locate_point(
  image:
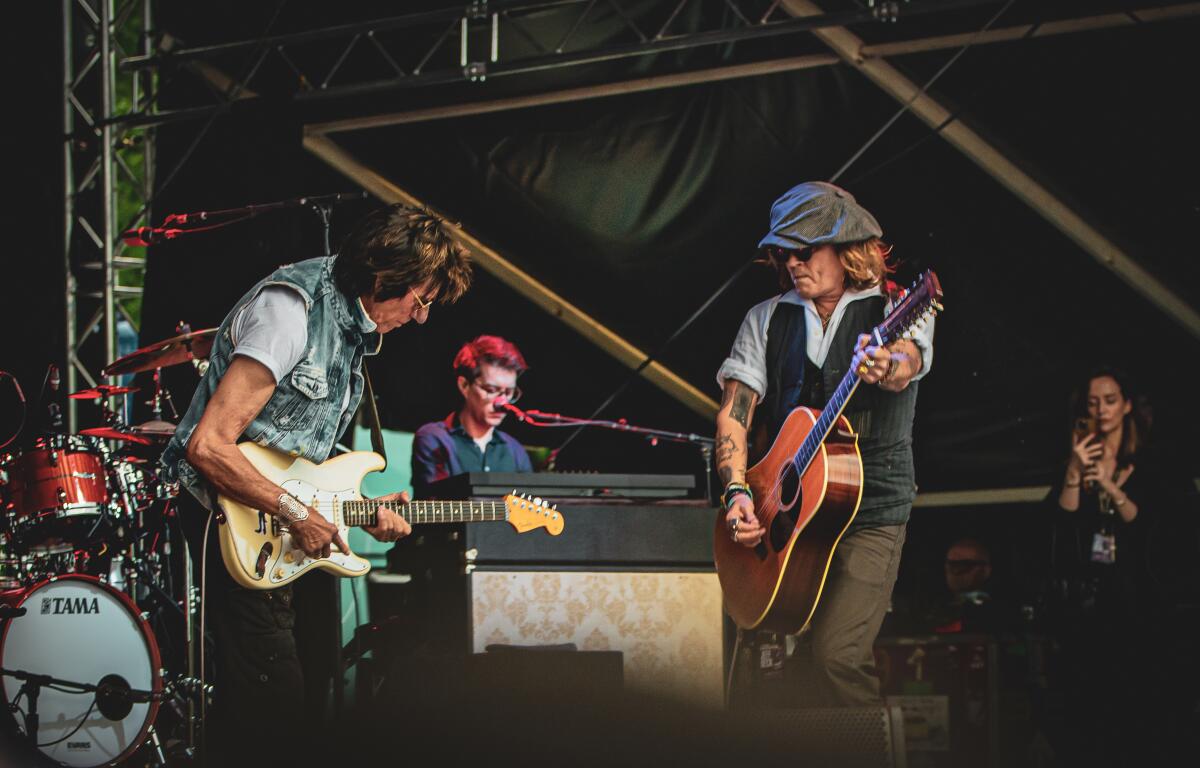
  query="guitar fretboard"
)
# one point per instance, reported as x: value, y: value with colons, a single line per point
x: 829, y: 414
x: 366, y: 511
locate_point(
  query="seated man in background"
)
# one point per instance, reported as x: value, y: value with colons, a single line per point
x: 468, y: 440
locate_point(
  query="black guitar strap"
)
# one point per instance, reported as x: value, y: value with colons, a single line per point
x: 373, y: 415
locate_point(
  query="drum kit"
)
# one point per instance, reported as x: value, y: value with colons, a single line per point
x: 90, y: 559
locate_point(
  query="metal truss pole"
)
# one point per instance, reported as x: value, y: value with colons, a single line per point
x: 69, y: 333
x: 107, y: 182
x: 99, y: 170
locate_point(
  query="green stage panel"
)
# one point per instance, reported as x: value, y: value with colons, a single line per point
x: 396, y: 477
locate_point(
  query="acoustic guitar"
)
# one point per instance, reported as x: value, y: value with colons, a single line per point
x: 259, y: 553
x: 807, y: 489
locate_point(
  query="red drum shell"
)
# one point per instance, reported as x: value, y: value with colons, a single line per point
x: 59, y: 477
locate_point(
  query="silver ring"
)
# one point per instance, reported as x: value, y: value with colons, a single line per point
x: 733, y: 524
x: 869, y: 362
x: 733, y: 534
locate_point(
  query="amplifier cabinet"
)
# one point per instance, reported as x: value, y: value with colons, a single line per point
x: 667, y: 625
x: 661, y: 535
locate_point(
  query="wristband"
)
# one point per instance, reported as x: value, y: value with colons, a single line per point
x: 732, y: 490
x: 291, y: 509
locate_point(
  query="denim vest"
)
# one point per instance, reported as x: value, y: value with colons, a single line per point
x: 883, y: 420
x: 304, y: 416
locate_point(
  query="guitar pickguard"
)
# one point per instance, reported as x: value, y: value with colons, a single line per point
x: 290, y: 560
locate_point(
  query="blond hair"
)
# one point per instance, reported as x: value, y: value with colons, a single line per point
x: 865, y: 262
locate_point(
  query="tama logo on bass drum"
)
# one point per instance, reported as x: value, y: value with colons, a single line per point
x: 72, y: 605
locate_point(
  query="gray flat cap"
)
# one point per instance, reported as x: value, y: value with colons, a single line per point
x: 817, y: 212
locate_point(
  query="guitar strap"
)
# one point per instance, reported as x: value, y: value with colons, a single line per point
x: 373, y: 415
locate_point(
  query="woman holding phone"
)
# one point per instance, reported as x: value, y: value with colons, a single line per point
x: 1107, y: 499
x: 1106, y: 487
x: 1104, y: 444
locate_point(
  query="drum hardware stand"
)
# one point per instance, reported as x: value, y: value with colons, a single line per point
x: 156, y: 745
x: 31, y: 688
x: 181, y: 695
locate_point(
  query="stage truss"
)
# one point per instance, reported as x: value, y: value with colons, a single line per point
x: 108, y: 122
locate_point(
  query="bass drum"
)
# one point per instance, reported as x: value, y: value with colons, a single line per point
x: 80, y: 630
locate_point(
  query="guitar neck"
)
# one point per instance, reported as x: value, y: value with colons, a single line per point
x: 833, y: 409
x: 365, y: 512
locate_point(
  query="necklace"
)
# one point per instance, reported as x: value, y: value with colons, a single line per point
x: 825, y: 320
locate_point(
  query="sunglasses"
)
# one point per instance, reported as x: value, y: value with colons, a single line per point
x: 780, y: 255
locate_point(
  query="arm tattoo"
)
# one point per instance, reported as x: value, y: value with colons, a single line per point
x: 727, y: 393
x: 743, y: 401
x: 726, y: 475
x: 726, y: 448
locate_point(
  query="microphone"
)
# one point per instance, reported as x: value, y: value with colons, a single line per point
x: 144, y: 236
x: 9, y: 612
x: 514, y: 410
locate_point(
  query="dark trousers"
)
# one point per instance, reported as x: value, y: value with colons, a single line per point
x: 261, y: 711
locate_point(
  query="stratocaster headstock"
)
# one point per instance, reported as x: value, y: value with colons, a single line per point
x: 525, y: 514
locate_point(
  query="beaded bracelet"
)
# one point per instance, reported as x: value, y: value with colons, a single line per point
x: 732, y: 490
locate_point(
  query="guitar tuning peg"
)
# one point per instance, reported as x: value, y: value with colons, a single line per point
x: 537, y: 500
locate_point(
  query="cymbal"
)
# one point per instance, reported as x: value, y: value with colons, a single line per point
x: 154, y: 428
x: 114, y: 433
x: 100, y: 390
x: 177, y: 349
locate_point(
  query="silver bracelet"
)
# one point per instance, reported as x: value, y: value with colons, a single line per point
x: 291, y: 509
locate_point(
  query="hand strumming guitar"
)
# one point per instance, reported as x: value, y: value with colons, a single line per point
x: 744, y: 527
x: 315, y: 535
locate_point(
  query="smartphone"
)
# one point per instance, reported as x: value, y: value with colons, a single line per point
x: 1084, y: 425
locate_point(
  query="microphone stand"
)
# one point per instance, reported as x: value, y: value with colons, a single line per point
x: 703, y: 443
x: 177, y: 224
x: 34, y: 683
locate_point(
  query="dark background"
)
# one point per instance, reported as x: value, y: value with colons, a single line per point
x: 637, y: 208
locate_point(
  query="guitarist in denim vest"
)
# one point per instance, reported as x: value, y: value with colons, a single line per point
x: 285, y: 371
x: 792, y: 350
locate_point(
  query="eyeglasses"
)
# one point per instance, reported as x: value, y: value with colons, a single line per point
x: 781, y: 255
x: 421, y: 303
x: 511, y: 394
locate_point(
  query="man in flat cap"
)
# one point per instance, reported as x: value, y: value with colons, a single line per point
x: 793, y: 350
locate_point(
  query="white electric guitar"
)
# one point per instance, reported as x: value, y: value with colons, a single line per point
x: 260, y: 554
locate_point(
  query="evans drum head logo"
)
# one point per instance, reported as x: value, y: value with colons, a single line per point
x: 59, y: 605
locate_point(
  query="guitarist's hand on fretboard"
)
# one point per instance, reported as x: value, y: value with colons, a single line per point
x: 742, y: 523
x: 391, y: 526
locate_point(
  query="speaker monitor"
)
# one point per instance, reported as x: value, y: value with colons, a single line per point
x: 667, y: 625
x: 851, y: 737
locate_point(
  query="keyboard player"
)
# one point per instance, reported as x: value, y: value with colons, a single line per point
x: 486, y: 370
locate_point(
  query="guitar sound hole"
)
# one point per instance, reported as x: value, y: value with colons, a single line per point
x: 785, y: 519
x: 789, y: 487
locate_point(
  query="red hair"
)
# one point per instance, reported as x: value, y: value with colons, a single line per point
x: 491, y: 350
